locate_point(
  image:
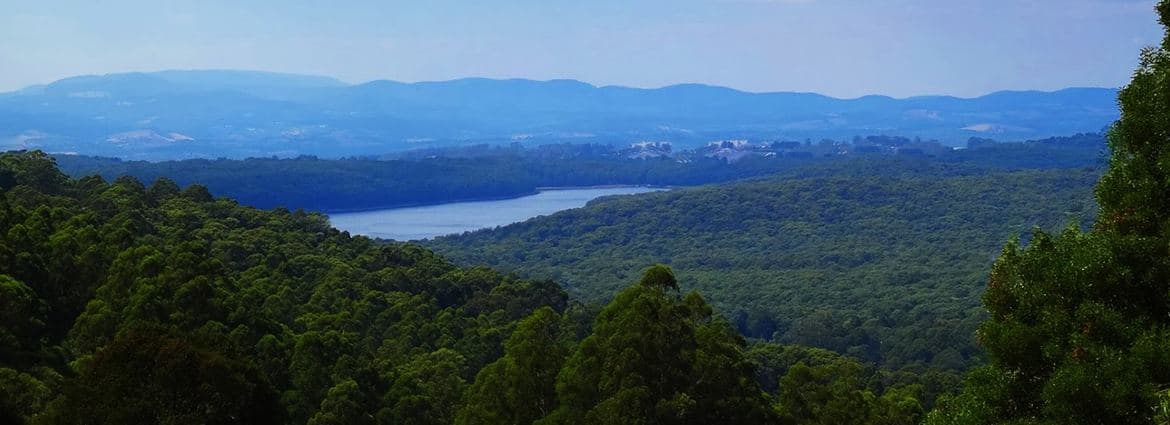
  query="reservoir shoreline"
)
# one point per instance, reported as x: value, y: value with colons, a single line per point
x: 429, y: 221
x: 535, y: 191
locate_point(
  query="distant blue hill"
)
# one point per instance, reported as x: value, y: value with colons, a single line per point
x: 223, y: 113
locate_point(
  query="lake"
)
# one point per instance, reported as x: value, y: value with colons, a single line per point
x: 415, y: 223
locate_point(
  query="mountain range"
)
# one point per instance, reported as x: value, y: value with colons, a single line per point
x: 193, y: 114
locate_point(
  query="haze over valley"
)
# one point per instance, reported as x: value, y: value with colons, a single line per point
x: 539, y: 212
x: 238, y: 114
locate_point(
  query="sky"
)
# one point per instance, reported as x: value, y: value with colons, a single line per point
x: 842, y: 48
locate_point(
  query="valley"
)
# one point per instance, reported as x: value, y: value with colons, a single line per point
x: 870, y: 253
x: 695, y: 212
x: 884, y: 261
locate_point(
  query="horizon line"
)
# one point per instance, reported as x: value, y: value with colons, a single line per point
x: 346, y: 83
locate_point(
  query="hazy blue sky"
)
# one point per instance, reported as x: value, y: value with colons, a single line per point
x: 838, y: 47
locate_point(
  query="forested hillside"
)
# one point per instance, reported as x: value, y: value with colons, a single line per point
x: 881, y: 260
x: 482, y: 172
x: 123, y: 303
x: 886, y: 280
x: 354, y: 184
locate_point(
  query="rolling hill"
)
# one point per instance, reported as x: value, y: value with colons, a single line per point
x: 884, y: 261
x: 211, y: 114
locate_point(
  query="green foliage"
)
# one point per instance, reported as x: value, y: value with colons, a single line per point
x: 343, y: 405
x: 520, y: 387
x: 1162, y: 411
x: 479, y: 172
x: 25, y: 394
x: 828, y: 394
x: 813, y: 385
x: 660, y: 277
x: 883, y: 260
x: 1079, y: 327
x: 772, y: 361
x: 656, y: 358
x: 33, y: 169
x: 148, y: 377
x: 835, y: 393
x: 249, y: 316
x: 122, y: 303
x: 427, y: 389
x: 351, y: 184
x: 22, y: 322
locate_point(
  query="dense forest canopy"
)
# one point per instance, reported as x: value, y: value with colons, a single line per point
x: 1079, y: 326
x: 885, y: 261
x: 279, y: 318
x: 122, y: 302
x: 484, y: 172
x: 127, y: 303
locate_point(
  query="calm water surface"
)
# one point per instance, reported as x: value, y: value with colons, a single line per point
x: 437, y: 220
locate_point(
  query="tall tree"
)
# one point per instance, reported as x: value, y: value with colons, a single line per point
x: 1079, y: 327
x: 145, y: 376
x: 657, y: 358
x: 520, y: 387
x: 22, y: 320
